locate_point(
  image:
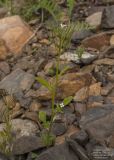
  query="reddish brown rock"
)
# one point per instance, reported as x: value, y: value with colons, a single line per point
x: 15, y: 34
x: 72, y: 82
x: 97, y: 41
x: 68, y: 85
x: 95, y: 89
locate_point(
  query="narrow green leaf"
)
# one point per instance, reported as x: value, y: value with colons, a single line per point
x: 67, y: 100
x: 44, y: 82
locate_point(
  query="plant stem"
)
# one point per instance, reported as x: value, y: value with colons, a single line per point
x: 42, y: 15
x: 54, y: 92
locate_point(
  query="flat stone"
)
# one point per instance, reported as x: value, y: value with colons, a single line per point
x: 105, y: 61
x: 17, y: 81
x: 94, y: 19
x: 27, y: 144
x: 87, y: 68
x: 15, y: 34
x: 99, y: 122
x: 97, y: 41
x: 31, y: 115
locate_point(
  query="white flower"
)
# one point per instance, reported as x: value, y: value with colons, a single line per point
x: 62, y: 105
x: 63, y: 25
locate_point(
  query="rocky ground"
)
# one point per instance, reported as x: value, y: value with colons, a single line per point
x: 86, y: 129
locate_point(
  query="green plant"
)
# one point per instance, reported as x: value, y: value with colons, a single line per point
x: 6, y: 137
x: 62, y: 41
x: 44, y: 5
x: 80, y: 51
x: 47, y: 137
x: 51, y: 7
x: 70, y: 5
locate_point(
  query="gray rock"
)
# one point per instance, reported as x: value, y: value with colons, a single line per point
x: 94, y: 19
x: 17, y: 81
x: 24, y: 102
x: 86, y: 58
x: 59, y: 152
x: 59, y: 129
x: 79, y: 36
x: 80, y: 108
x: 80, y: 151
x: 27, y: 144
x: 108, y: 18
x: 70, y: 118
x: 81, y: 137
x: 95, y: 99
x: 99, y: 122
x: 23, y: 127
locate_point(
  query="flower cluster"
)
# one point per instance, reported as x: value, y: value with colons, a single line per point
x: 62, y: 105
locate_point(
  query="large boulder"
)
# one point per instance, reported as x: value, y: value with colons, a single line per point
x: 14, y: 34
